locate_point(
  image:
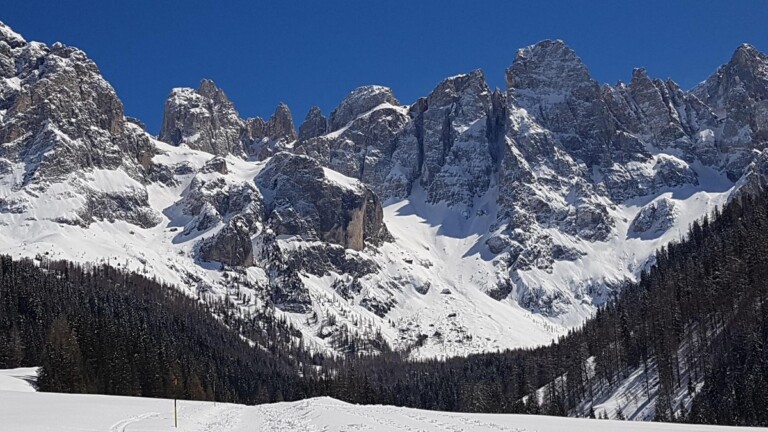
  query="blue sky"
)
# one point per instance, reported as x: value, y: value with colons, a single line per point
x: 309, y: 52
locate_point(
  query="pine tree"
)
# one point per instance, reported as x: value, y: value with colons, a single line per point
x: 61, y: 370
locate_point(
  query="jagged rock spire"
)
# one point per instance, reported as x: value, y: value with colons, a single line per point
x: 204, y: 119
x: 314, y: 125
x: 280, y: 125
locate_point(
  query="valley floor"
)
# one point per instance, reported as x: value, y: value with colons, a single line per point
x: 24, y: 410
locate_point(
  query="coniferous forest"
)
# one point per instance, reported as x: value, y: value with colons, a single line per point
x: 700, y: 314
x: 99, y: 330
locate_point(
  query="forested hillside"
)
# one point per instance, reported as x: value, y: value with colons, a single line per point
x: 99, y: 330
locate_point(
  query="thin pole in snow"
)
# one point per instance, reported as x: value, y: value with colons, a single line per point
x: 175, y: 416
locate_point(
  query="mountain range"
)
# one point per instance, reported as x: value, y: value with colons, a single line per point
x: 469, y: 220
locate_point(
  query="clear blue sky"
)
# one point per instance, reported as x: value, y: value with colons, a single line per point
x: 314, y: 52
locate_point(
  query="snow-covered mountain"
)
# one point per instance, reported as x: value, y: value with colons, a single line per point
x: 471, y: 220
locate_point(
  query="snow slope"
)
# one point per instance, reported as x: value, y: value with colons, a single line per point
x: 18, y: 380
x: 24, y: 411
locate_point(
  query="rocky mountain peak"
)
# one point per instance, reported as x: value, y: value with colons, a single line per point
x: 738, y: 94
x: 203, y: 119
x: 550, y: 82
x: 547, y: 67
x: 314, y: 125
x: 746, y: 55
x: 639, y: 76
x: 61, y: 124
x: 456, y: 88
x: 208, y: 89
x: 280, y: 125
x: 263, y: 139
x: 10, y: 37
x: 453, y: 133
x: 748, y: 67
x: 359, y: 101
x: 746, y: 72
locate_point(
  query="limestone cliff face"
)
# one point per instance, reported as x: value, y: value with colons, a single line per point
x: 457, y: 140
x: 231, y: 246
x: 738, y: 94
x: 59, y: 114
x: 314, y: 125
x: 62, y: 123
x: 364, y: 132
x: 204, y: 119
x: 303, y: 200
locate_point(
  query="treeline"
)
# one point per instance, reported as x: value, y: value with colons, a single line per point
x: 100, y: 330
x: 698, y: 315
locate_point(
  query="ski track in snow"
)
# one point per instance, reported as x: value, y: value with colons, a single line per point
x: 123, y: 424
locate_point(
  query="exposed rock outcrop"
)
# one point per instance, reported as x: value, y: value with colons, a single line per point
x: 738, y: 94
x: 60, y: 121
x: 304, y: 199
x: 314, y: 125
x: 358, y: 102
x: 267, y: 138
x: 205, y: 119
x: 231, y: 246
x: 654, y: 218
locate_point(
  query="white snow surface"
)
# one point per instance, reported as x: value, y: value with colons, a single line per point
x: 18, y: 379
x: 23, y: 410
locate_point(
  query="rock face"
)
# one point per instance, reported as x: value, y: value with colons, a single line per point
x: 277, y: 134
x: 60, y: 122
x: 551, y: 83
x: 306, y: 202
x: 363, y: 137
x: 655, y: 218
x: 205, y: 119
x: 358, y: 102
x: 314, y: 125
x: 59, y: 112
x: 445, y: 142
x: 737, y: 94
x: 231, y: 246
x: 288, y: 217
x: 755, y: 179
x: 457, y: 140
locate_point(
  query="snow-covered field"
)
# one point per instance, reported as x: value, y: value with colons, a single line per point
x: 24, y: 410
